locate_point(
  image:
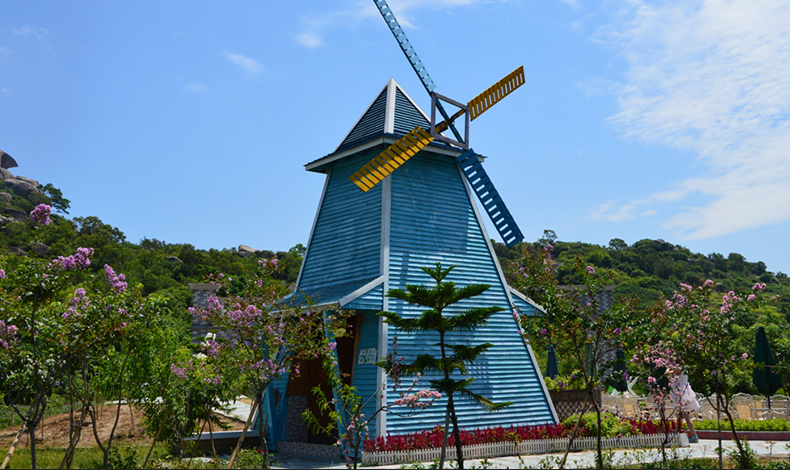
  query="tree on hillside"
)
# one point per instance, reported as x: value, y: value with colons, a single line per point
x: 454, y: 357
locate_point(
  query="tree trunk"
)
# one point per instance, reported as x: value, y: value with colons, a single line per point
x: 585, y: 407
x: 446, y: 434
x: 599, y: 455
x: 235, y: 453
x: 156, y: 438
x: 459, y: 455
x: 13, y: 446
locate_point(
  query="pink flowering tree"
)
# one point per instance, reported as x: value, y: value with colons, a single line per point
x: 267, y: 336
x: 700, y: 328
x: 658, y: 366
x: 57, y: 316
x: 348, y: 407
x: 585, y: 336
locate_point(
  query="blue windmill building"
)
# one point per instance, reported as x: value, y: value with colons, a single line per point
x: 399, y: 195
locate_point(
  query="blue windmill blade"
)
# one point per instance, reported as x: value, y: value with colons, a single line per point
x: 489, y: 198
x: 414, y: 59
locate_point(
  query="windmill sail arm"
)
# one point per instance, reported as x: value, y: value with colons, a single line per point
x: 489, y: 198
x: 411, y: 55
x: 405, y: 44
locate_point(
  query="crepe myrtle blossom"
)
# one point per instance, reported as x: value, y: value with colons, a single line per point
x: 180, y: 372
x: 117, y: 281
x: 590, y: 270
x: 7, y: 334
x: 41, y: 214
x: 78, y: 303
x: 2, y: 273
x: 79, y: 260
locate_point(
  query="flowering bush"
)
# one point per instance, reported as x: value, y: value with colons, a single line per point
x: 65, y: 329
x: 268, y: 335
x: 432, y: 438
x: 585, y: 335
x: 695, y: 332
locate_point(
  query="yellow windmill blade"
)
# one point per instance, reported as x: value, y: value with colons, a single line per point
x: 495, y: 93
x: 387, y: 161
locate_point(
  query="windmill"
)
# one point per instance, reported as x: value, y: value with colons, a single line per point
x: 410, y: 205
x: 407, y: 146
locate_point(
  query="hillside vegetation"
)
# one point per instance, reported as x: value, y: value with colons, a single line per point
x: 649, y: 269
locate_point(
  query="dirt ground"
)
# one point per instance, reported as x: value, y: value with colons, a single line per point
x: 54, y: 431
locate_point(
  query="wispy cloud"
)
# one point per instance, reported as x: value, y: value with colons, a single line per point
x: 711, y: 77
x: 309, y: 40
x: 571, y: 3
x: 35, y: 32
x: 252, y: 66
x: 317, y: 23
x: 195, y: 88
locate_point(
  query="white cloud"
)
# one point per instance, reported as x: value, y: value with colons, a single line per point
x: 310, y: 40
x: 571, y: 3
x: 252, y: 66
x: 364, y: 10
x: 711, y: 77
x: 36, y: 32
x: 195, y: 88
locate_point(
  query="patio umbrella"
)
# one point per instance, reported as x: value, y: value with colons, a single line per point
x: 617, y: 379
x: 763, y: 376
x: 552, y: 370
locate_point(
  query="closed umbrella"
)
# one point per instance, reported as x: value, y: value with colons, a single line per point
x: 763, y: 376
x: 617, y: 380
x: 552, y: 371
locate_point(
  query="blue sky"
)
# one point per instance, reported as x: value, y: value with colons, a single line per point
x: 190, y: 121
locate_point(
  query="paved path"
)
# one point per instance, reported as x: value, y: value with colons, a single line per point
x: 586, y: 459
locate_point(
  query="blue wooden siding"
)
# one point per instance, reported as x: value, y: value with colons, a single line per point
x: 273, y: 408
x: 432, y: 220
x: 365, y: 374
x: 524, y: 307
x: 370, y: 300
x: 346, y: 243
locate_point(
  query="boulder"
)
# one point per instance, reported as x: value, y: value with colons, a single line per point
x: 6, y: 197
x: 23, y: 187
x: 40, y: 249
x: 5, y: 174
x: 246, y: 252
x: 6, y: 160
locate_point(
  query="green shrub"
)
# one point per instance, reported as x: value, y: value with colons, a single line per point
x: 611, y: 425
x: 745, y: 425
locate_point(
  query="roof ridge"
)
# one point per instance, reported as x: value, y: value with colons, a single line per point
x: 387, y: 114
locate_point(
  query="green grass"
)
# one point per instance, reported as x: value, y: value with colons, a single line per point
x: 88, y: 457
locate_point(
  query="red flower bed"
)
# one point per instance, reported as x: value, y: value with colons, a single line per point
x: 433, y: 438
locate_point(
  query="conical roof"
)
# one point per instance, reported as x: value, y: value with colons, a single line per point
x: 391, y: 114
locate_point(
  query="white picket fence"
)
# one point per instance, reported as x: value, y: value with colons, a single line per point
x: 502, y: 449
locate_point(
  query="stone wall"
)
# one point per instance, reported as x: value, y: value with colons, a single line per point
x: 200, y: 294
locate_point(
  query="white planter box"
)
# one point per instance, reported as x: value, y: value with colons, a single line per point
x: 502, y: 449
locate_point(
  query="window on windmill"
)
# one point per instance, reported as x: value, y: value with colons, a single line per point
x: 367, y: 356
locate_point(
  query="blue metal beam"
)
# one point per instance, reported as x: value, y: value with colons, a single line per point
x: 489, y: 198
x: 411, y: 55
